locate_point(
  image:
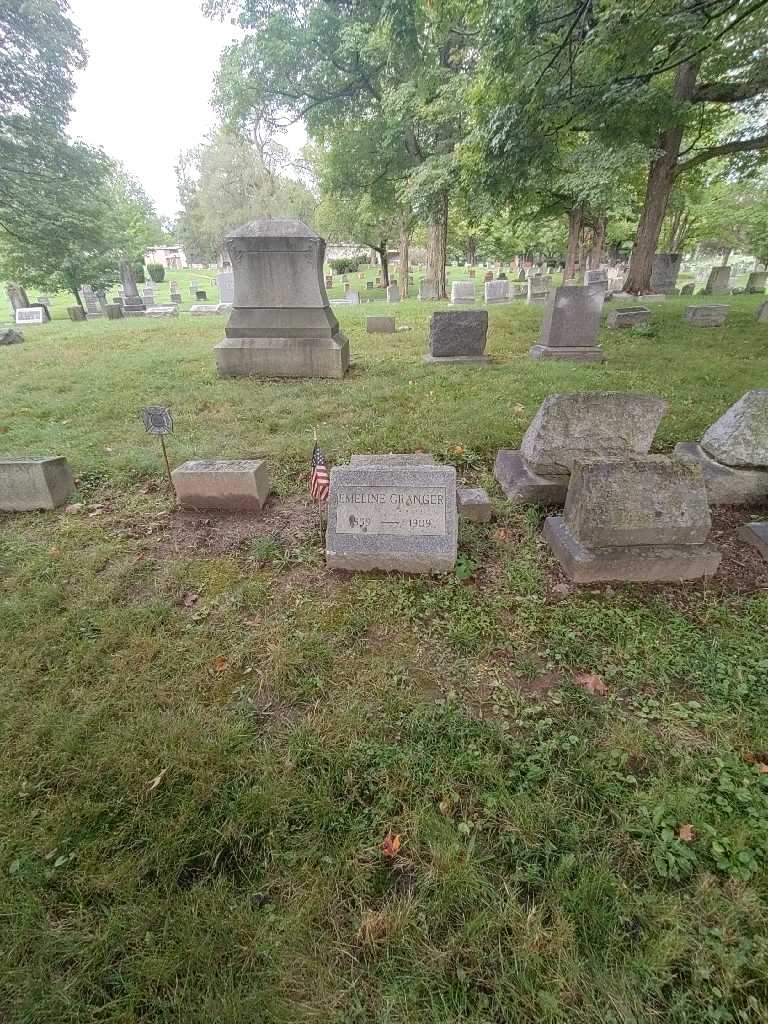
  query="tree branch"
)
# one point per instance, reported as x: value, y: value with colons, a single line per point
x: 732, y: 92
x: 738, y: 146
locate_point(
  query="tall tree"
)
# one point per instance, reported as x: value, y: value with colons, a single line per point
x: 330, y: 63
x: 667, y: 75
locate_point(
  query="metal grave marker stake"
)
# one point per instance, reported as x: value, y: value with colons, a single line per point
x: 159, y: 422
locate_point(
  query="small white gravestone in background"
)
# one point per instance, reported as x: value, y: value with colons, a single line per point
x: 30, y: 315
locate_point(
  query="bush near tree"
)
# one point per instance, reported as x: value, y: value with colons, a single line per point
x: 157, y: 272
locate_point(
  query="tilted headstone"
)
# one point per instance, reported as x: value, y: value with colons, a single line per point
x: 380, y: 324
x: 762, y: 313
x: 462, y: 292
x: 427, y: 290
x: 664, y: 270
x: 756, y: 534
x: 34, y: 483
x: 393, y: 293
x: 76, y: 314
x: 733, y: 452
x: 496, y: 291
x: 17, y: 296
x: 133, y: 305
x: 222, y: 484
x: 756, y: 282
x: 628, y: 316
x: 718, y: 282
x: 570, y: 325
x: 706, y: 316
x: 281, y: 323
x: 688, y: 289
x: 568, y: 427
x: 457, y: 337
x: 642, y: 518
x: 10, y: 336
x: 397, y: 517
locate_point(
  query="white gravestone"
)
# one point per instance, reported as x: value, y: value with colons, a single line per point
x: 30, y: 315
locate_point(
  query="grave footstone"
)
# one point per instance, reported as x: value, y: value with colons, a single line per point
x: 397, y: 517
x: 718, y: 282
x: 10, y: 336
x: 733, y: 452
x: 642, y: 518
x: 571, y: 426
x: 208, y: 309
x: 628, y: 316
x: 281, y: 323
x: 570, y: 325
x: 27, y: 485
x: 706, y: 316
x: 496, y: 291
x: 162, y: 311
x: 756, y: 282
x: 462, y: 293
x: 474, y: 504
x: 756, y: 534
x: 664, y: 270
x: 222, y: 484
x: 457, y: 337
x: 380, y: 324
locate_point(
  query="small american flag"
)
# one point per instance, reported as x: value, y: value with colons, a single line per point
x: 320, y: 481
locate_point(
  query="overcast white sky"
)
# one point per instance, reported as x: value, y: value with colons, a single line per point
x: 145, y: 94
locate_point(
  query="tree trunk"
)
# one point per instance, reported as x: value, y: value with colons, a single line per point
x: 471, y: 250
x: 661, y: 178
x: 381, y: 252
x: 726, y: 256
x: 437, y: 238
x: 575, y: 218
x: 598, y: 241
x: 405, y: 246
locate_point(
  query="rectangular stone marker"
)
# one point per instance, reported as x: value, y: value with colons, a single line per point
x: 664, y: 271
x: 30, y: 315
x: 427, y: 290
x: 596, y: 277
x: 474, y: 504
x: 539, y: 290
x: 706, y: 316
x: 755, y: 282
x: 719, y: 281
x: 369, y: 286
x: 628, y: 316
x: 226, y: 286
x: 496, y: 291
x: 643, y: 519
x: 762, y: 313
x: 393, y: 459
x: 37, y: 483
x: 458, y: 337
x: 571, y: 322
x: 756, y: 534
x: 380, y: 324
x: 462, y: 292
x: 161, y: 311
x: 209, y: 309
x: 114, y: 311
x: 227, y: 485
x: 400, y: 518
x: 393, y: 293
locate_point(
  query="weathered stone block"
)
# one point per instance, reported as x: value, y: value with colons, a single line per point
x: 718, y: 282
x: 497, y: 291
x: 664, y: 271
x: 393, y: 293
x: 401, y: 518
x: 380, y: 324
x: 643, y: 499
x: 707, y: 316
x: 756, y: 534
x: 427, y: 290
x: 227, y: 485
x: 740, y: 437
x: 35, y: 483
x: 570, y: 325
x: 76, y: 313
x: 756, y: 282
x: 725, y: 484
x: 628, y: 316
x: 458, y: 337
x: 10, y: 336
x: 591, y: 423
x: 474, y: 504
x: 462, y: 292
x: 523, y: 486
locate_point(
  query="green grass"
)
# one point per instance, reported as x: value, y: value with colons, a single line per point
x: 298, y: 717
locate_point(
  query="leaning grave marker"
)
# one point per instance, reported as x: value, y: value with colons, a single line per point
x: 570, y: 325
x: 392, y: 517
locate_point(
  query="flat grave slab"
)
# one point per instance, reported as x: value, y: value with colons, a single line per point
x: 222, y: 484
x: 628, y: 316
x: 706, y: 316
x: 380, y: 324
x: 397, y: 517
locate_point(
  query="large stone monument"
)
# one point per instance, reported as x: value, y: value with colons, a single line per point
x: 133, y: 304
x: 664, y: 271
x: 570, y: 325
x: 281, y: 323
x: 733, y: 453
x: 575, y: 426
x: 641, y: 518
x: 392, y: 515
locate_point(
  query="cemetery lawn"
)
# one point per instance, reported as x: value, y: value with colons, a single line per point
x: 236, y: 787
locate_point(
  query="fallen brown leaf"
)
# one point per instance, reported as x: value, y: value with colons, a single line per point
x: 391, y: 846
x: 220, y: 664
x: 154, y: 783
x: 685, y: 833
